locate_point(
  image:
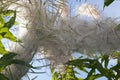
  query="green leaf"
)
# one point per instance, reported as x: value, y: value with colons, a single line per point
x: 107, y: 2
x: 8, y: 56
x: 5, y: 26
x: 7, y: 12
x: 1, y: 37
x: 16, y: 23
x: 92, y: 75
x: 11, y: 22
x: 6, y: 60
x: 55, y: 76
x: 3, y: 77
x: 4, y: 30
x: 91, y: 72
x: 116, y: 54
x: 7, y: 34
x: 2, y: 22
x: 104, y: 71
x: 10, y: 36
x: 52, y: 70
x: 82, y: 62
x: 105, y: 59
x: 94, y: 64
x: 80, y: 79
x: 2, y: 49
x: 70, y: 73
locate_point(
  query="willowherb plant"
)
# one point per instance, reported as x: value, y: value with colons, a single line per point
x: 57, y: 37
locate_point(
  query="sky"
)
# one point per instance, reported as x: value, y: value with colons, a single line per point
x: 112, y: 11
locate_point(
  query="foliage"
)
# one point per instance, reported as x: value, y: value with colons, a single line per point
x: 107, y: 2
x: 7, y: 60
x: 98, y: 68
x: 7, y: 20
x: 5, y: 26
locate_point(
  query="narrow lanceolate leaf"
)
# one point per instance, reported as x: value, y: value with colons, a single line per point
x: 52, y: 70
x: 107, y: 2
x: 6, y: 60
x: 55, y: 76
x: 93, y: 77
x: 105, y: 59
x: 2, y: 22
x: 89, y: 77
x: 1, y: 37
x: 9, y: 56
x: 11, y: 22
x: 2, y: 49
x: 5, y: 33
x: 10, y: 36
x: 3, y: 77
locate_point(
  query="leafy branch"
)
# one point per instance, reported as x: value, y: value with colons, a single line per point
x: 5, y: 26
x: 98, y: 68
